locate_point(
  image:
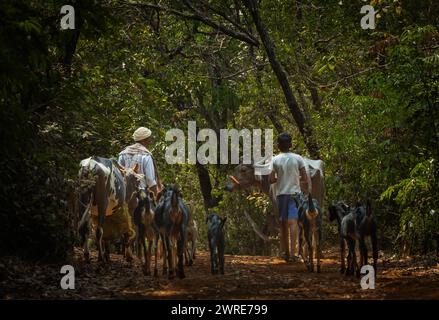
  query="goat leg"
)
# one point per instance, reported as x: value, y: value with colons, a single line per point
x: 342, y: 255
x: 374, y: 252
x: 180, y: 251
x: 99, y: 235
x: 156, y: 249
x: 318, y: 249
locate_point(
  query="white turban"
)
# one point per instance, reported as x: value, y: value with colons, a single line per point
x: 141, y: 133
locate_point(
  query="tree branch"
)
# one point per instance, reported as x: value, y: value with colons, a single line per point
x: 198, y: 16
x: 230, y: 20
x: 256, y: 228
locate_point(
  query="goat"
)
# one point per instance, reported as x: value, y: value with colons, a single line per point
x: 215, y: 235
x: 359, y: 224
x: 192, y: 235
x: 172, y: 219
x: 144, y: 220
x: 349, y: 234
x: 366, y: 227
x: 337, y: 212
x: 310, y: 229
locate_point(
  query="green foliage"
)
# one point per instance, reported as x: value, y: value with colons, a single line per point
x: 419, y: 221
x: 63, y: 100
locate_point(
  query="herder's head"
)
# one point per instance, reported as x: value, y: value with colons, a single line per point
x: 143, y: 136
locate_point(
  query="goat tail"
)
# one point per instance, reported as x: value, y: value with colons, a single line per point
x: 368, y: 208
x: 310, y: 203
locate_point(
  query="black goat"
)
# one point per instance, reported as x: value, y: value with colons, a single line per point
x: 366, y: 227
x: 349, y: 233
x: 359, y: 224
x: 337, y: 212
x: 215, y: 235
x: 171, y: 218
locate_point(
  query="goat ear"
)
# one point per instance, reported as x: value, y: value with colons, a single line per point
x: 136, y: 168
x: 368, y: 207
x: 223, y: 221
x: 331, y: 213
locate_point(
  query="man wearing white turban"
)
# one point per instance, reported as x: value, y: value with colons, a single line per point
x: 138, y: 153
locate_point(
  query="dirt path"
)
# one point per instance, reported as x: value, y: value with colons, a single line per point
x: 247, y: 277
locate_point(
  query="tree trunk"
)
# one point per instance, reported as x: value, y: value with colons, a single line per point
x: 317, y: 102
x: 70, y: 45
x: 305, y: 128
x: 276, y: 123
x: 206, y: 187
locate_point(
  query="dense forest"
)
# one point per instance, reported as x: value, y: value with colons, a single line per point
x: 365, y: 101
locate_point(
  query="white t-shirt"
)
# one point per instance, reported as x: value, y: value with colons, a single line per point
x: 287, y: 167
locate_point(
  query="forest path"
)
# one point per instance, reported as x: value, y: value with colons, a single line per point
x: 246, y: 277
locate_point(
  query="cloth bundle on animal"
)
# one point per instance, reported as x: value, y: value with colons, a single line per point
x: 117, y: 225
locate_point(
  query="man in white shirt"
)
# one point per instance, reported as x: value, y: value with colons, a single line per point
x: 139, y: 154
x: 288, y: 172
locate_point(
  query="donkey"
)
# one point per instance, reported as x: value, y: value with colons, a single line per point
x: 310, y: 229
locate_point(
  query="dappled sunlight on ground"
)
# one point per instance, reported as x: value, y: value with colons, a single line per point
x: 246, y: 277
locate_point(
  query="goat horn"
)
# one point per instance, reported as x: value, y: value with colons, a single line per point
x: 235, y: 181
